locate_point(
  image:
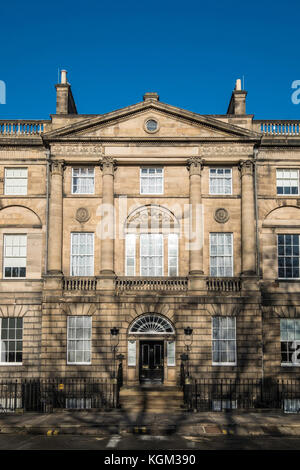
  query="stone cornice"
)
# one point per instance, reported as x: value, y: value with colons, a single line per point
x: 191, y: 117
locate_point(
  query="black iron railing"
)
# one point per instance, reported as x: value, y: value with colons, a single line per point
x: 224, y: 394
x: 47, y: 395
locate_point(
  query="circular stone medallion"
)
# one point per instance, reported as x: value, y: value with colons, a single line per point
x: 221, y: 215
x: 82, y: 214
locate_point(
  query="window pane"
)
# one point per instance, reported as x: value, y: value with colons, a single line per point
x: 224, y: 340
x: 151, y: 180
x: 221, y: 254
x: 288, y: 256
x: 220, y: 180
x: 10, y: 349
x: 82, y: 254
x: 83, y: 180
x: 79, y: 339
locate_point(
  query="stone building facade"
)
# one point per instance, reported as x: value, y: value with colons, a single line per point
x: 149, y: 219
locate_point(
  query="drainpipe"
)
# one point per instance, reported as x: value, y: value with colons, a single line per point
x: 255, y: 153
x: 48, y: 157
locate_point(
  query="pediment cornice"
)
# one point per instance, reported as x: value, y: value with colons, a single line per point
x: 77, y: 130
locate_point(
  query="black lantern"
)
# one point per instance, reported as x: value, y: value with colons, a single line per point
x: 114, y: 331
x: 188, y: 331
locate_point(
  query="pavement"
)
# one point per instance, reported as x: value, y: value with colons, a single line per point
x: 184, y: 423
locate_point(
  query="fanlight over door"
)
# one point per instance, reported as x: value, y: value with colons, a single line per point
x: 151, y: 324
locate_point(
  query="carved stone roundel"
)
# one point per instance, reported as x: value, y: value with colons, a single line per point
x: 82, y: 214
x: 221, y: 215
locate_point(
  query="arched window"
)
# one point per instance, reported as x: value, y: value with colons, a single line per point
x: 151, y: 242
x: 151, y: 324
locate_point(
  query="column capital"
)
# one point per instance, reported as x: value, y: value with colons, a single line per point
x: 246, y: 167
x: 195, y: 165
x: 57, y: 167
x: 108, y: 165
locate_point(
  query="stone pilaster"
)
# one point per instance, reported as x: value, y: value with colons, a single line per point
x: 248, y: 218
x: 195, y: 165
x: 107, y: 232
x: 55, y: 218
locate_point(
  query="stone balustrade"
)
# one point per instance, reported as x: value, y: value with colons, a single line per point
x: 287, y: 128
x: 174, y: 284
x: 21, y: 128
x: 223, y: 284
x: 151, y: 284
x: 79, y: 283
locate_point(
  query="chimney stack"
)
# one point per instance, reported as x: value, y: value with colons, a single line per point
x: 237, y: 103
x: 65, y: 103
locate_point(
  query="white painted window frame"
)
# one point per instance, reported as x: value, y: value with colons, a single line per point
x: 133, y: 237
x: 151, y: 235
x: 287, y: 278
x: 169, y: 362
x: 5, y: 257
x: 74, y: 339
x: 221, y: 256
x: 287, y: 179
x: 131, y: 356
x: 16, y: 178
x: 83, y: 177
x: 170, y: 236
x: 14, y: 363
x: 154, y: 176
x: 289, y: 364
x: 90, y: 255
x: 233, y: 364
x: 222, y: 177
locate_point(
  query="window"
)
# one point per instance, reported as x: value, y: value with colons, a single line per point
x: 132, y: 353
x: 290, y: 342
x: 152, y: 181
x: 287, y: 182
x: 291, y: 405
x: 82, y: 254
x: 224, y: 341
x: 225, y: 404
x: 151, y: 125
x: 220, y: 181
x: 14, y: 263
x: 151, y: 254
x: 172, y: 254
x: 171, y: 353
x: 15, y: 181
x: 11, y: 344
x: 130, y: 255
x: 221, y: 254
x: 288, y: 256
x: 83, y: 180
x: 79, y: 339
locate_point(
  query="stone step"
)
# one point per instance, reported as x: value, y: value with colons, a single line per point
x: 151, y: 399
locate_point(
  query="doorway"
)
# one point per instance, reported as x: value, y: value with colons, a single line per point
x: 151, y: 368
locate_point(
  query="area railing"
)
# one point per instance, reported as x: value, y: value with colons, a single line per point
x: 151, y: 284
x: 22, y: 128
x: 230, y: 394
x: 277, y: 127
x: 47, y: 395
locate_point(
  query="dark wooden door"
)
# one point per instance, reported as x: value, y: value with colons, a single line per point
x: 151, y: 361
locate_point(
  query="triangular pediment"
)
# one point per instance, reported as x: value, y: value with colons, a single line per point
x: 130, y: 123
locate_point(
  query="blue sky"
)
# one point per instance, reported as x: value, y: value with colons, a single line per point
x: 190, y: 52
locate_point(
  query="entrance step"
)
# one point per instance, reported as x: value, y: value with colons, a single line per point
x: 150, y: 399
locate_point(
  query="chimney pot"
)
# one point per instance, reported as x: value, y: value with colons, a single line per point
x: 238, y: 84
x: 63, y: 77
